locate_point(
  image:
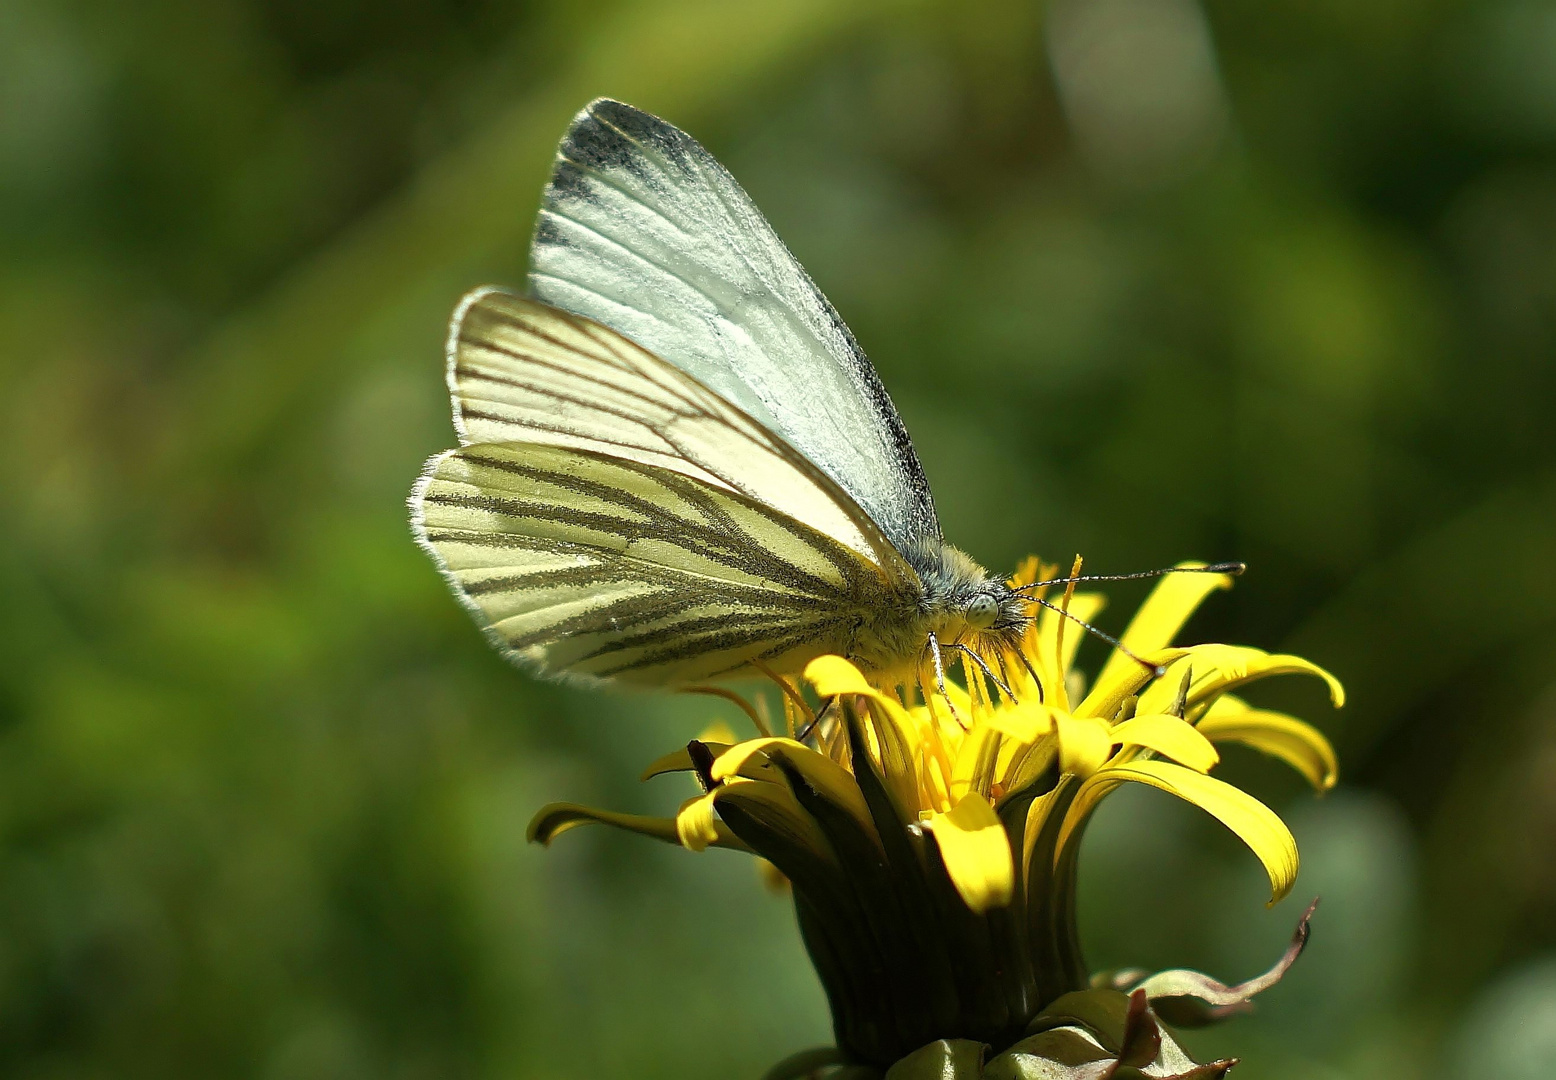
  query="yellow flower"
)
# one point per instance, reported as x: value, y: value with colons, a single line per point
x: 931, y: 834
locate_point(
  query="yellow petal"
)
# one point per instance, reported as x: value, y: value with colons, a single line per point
x: 1025, y: 722
x: 1107, y: 694
x: 1027, y: 765
x: 944, y: 709
x: 1084, y: 744
x: 1218, y: 668
x: 554, y: 819
x: 679, y: 760
x: 1162, y: 694
x: 695, y: 823
x: 832, y: 675
x: 820, y: 771
x: 785, y: 825
x: 1040, y: 819
x: 894, y: 738
x: 976, y: 852
x: 1160, y: 618
x: 769, y: 806
x: 1254, y: 823
x: 1286, y: 664
x: 975, y: 762
x: 1299, y: 745
x: 772, y: 878
x: 1170, y: 737
x: 729, y: 762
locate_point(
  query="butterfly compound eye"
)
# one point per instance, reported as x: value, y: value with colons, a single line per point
x: 981, y: 612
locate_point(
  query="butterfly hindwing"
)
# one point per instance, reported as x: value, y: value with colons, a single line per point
x: 585, y: 564
x: 643, y: 231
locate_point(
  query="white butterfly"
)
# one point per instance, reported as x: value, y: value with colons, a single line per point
x: 676, y: 463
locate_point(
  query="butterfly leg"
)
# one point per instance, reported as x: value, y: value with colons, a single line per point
x: 821, y: 714
x: 995, y: 679
x: 934, y: 651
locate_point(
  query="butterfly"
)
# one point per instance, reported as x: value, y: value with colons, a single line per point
x: 676, y: 464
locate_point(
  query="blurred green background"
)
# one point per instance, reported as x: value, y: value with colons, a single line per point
x: 1148, y: 280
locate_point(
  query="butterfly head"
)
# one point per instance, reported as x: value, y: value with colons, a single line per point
x: 960, y: 599
x: 992, y: 607
x: 982, y: 611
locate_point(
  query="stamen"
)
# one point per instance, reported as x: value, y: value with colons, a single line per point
x: 729, y: 695
x: 1002, y: 662
x: 977, y: 689
x: 1064, y: 609
x: 789, y: 692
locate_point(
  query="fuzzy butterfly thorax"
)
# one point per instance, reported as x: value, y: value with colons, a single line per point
x: 960, y: 597
x: 955, y: 603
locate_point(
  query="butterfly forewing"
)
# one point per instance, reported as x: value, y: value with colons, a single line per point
x: 643, y: 231
x: 586, y: 564
x: 520, y: 370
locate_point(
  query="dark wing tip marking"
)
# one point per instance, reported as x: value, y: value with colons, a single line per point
x: 593, y: 145
x: 643, y: 127
x: 608, y: 136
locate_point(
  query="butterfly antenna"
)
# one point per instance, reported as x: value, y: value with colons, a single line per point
x: 1155, y: 669
x: 1233, y: 568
